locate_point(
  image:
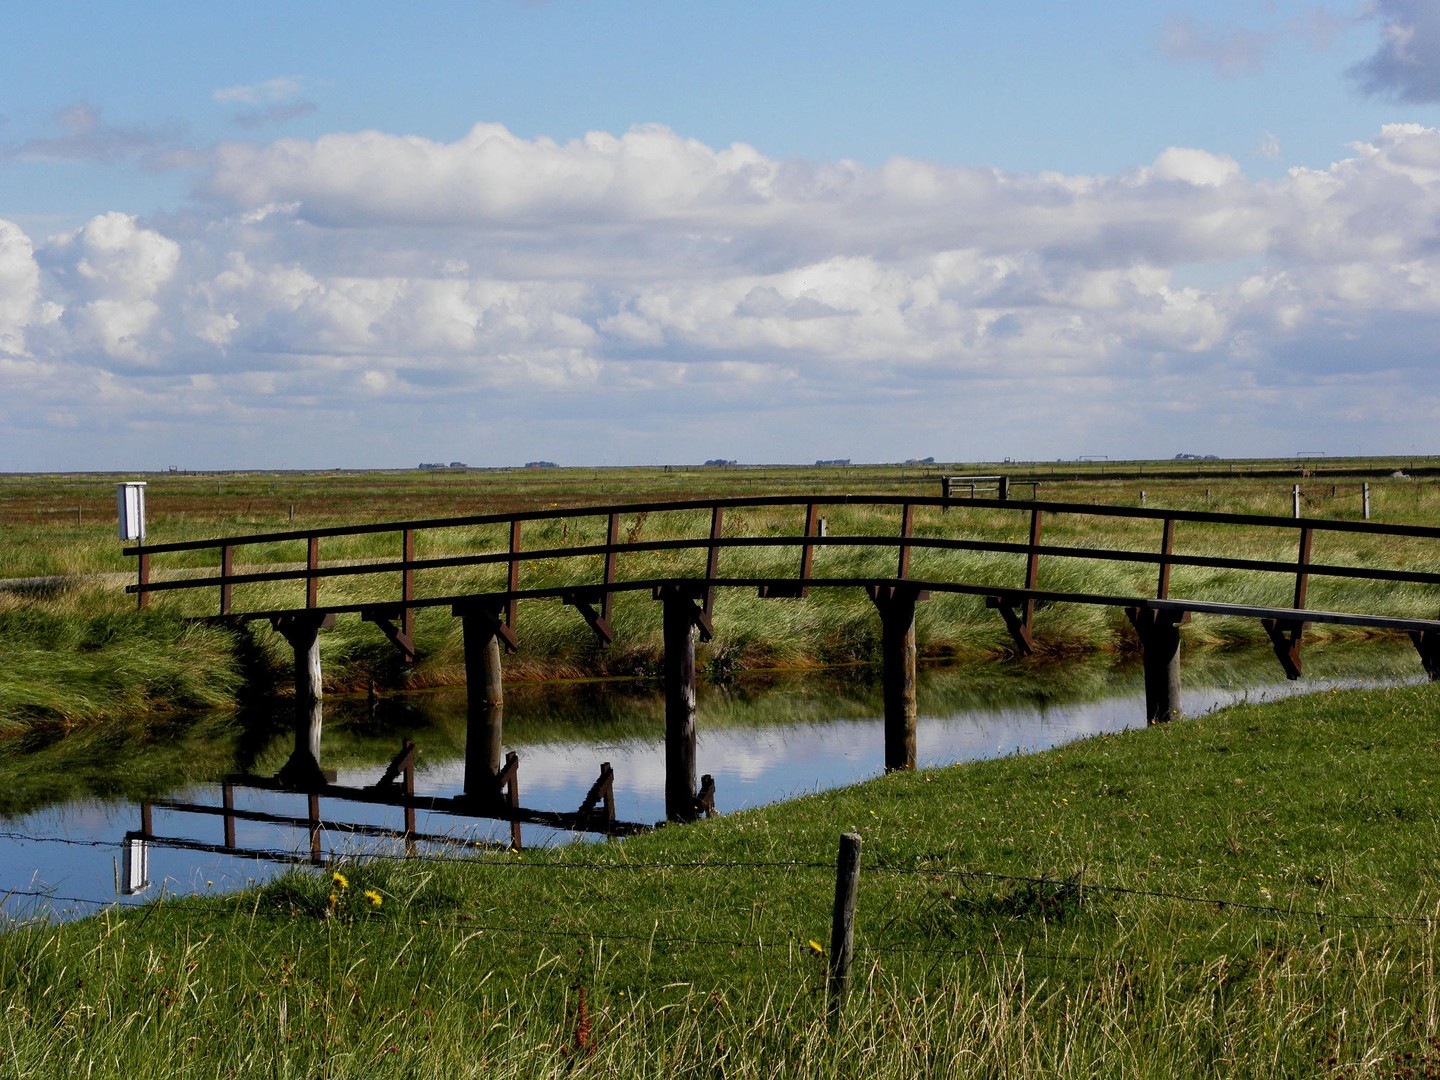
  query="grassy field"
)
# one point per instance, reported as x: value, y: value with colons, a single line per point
x: 79, y: 654
x: 1251, y: 894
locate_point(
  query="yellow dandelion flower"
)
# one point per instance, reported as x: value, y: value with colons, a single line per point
x: 340, y: 879
x: 372, y: 896
x: 816, y: 947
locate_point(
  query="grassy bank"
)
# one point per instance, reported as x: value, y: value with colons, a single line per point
x: 78, y: 668
x: 1251, y: 894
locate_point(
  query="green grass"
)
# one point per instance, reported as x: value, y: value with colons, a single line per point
x: 1252, y: 894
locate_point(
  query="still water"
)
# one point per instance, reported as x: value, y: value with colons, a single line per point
x: 66, y: 810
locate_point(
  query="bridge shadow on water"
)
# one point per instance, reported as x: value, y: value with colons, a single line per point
x: 70, y: 812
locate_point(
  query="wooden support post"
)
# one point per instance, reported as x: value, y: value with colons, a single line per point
x: 302, y: 631
x: 485, y: 700
x: 1365, y: 500
x: 842, y: 919
x: 897, y: 643
x: 1160, y: 646
x: 680, y: 623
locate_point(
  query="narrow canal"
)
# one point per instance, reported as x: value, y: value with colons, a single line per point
x: 65, y: 809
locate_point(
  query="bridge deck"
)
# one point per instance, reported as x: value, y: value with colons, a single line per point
x: 779, y: 586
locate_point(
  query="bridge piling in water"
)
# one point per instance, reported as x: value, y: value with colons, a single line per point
x: 682, y: 619
x: 484, y: 634
x: 1159, y: 632
x: 897, y: 643
x: 302, y: 631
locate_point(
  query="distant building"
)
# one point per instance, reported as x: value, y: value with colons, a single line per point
x: 834, y: 461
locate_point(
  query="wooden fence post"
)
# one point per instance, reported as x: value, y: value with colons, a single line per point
x: 842, y: 922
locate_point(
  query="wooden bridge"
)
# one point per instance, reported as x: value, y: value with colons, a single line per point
x: 900, y: 550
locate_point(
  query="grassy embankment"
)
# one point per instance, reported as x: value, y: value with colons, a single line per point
x: 78, y: 653
x: 1252, y: 894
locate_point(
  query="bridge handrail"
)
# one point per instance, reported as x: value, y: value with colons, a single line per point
x: 556, y: 514
x: 1017, y: 600
x: 349, y: 569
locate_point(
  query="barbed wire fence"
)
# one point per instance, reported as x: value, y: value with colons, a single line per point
x: 46, y: 905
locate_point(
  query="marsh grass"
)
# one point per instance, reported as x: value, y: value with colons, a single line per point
x: 60, y: 529
x: 1253, y: 894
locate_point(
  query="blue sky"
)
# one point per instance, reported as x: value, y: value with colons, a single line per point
x: 371, y: 234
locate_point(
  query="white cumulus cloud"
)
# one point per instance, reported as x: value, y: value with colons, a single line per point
x: 362, y: 281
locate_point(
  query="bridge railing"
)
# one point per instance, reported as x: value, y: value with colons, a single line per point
x: 1019, y: 549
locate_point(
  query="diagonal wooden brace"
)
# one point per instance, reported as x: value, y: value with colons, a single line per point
x: 1285, y: 635
x: 385, y: 620
x: 1427, y: 643
x: 1019, y: 617
x: 705, y: 797
x: 601, y: 796
x: 583, y: 601
x: 401, y: 764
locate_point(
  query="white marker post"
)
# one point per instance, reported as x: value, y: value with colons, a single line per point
x: 130, y: 507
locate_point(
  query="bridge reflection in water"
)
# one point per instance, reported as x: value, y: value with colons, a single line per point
x: 767, y: 740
